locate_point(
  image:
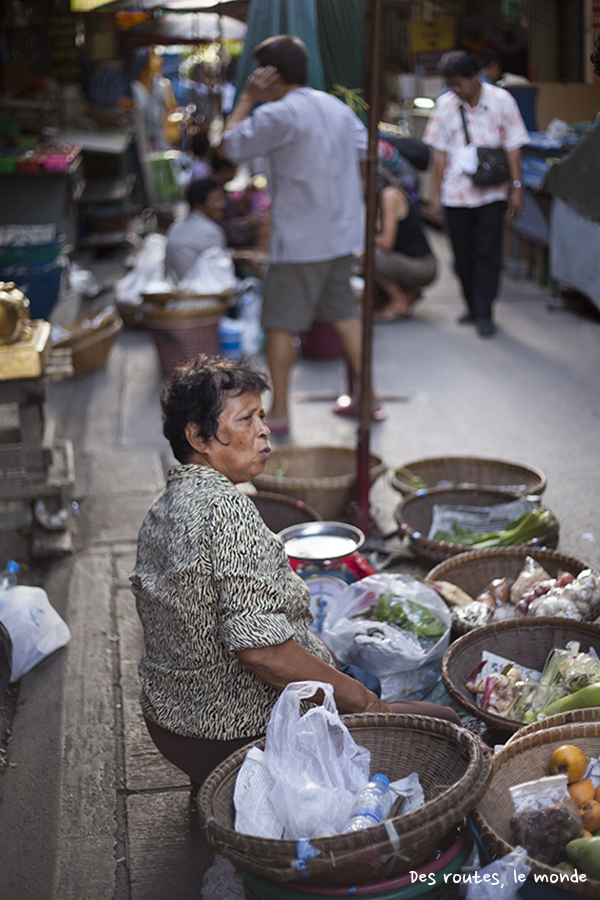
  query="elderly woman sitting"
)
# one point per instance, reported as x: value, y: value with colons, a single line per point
x: 225, y: 618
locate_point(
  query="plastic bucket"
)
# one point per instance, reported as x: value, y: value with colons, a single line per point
x: 231, y: 332
x: 40, y: 284
x: 30, y: 254
x: 437, y: 883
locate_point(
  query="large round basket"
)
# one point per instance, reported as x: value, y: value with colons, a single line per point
x: 474, y: 570
x: 279, y: 512
x: 452, y: 768
x: 323, y: 477
x: 522, y: 760
x: 414, y: 514
x: 183, y: 329
x: 467, y: 471
x: 525, y: 641
x: 573, y: 717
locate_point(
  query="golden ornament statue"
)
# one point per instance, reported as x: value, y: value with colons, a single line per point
x: 15, y: 323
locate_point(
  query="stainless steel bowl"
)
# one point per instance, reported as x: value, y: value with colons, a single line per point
x: 321, y: 541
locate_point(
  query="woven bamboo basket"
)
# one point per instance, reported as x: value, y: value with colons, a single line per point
x: 469, y: 471
x: 414, y: 515
x: 322, y: 477
x: 278, y: 511
x: 525, y: 641
x: 525, y: 760
x: 90, y: 346
x: 573, y: 717
x: 452, y: 768
x: 473, y: 571
x: 184, y: 329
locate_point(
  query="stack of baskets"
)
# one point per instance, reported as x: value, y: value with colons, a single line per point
x: 183, y: 325
x: 526, y: 758
x: 90, y: 338
x: 322, y: 477
x: 452, y: 768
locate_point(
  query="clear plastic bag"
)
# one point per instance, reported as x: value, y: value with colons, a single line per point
x: 213, y: 272
x: 317, y: 765
x: 36, y: 629
x: 545, y: 817
x: 406, y: 668
x: 502, y: 878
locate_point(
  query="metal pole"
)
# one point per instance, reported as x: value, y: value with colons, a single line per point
x: 366, y: 391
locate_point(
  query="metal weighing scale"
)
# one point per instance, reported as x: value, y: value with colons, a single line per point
x: 325, y: 555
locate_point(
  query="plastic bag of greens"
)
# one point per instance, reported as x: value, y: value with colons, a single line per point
x: 393, y: 626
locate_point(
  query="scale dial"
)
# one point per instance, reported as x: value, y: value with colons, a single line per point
x: 324, y: 590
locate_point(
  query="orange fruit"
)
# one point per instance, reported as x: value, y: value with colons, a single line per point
x: 597, y: 796
x: 587, y: 833
x: 570, y: 761
x: 590, y: 814
x: 581, y: 791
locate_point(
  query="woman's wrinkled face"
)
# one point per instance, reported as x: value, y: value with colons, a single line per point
x: 242, y: 448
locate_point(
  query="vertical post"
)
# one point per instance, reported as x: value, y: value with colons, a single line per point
x: 366, y: 390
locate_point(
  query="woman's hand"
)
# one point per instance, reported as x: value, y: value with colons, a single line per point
x: 282, y: 664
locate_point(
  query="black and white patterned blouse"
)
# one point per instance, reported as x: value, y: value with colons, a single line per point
x: 211, y: 579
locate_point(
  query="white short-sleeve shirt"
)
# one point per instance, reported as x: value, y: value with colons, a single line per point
x: 494, y: 122
x: 312, y: 144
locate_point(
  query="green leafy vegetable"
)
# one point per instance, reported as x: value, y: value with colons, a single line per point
x: 408, y: 615
x: 525, y: 528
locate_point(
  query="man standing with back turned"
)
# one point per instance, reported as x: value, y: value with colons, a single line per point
x: 474, y: 214
x: 312, y: 144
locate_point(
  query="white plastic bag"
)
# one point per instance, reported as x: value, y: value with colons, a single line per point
x: 502, y: 878
x: 36, y: 629
x: 213, y: 272
x: 147, y: 275
x: 317, y: 765
x: 406, y: 669
x: 222, y: 882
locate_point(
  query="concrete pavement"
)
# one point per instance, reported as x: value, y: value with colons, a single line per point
x: 88, y: 808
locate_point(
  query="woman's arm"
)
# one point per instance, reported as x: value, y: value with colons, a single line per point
x: 394, y: 208
x: 281, y: 664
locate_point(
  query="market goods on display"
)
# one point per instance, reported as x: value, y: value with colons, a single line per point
x: 533, y: 593
x: 569, y: 680
x: 557, y: 818
x: 526, y: 527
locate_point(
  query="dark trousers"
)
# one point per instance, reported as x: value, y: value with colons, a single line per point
x: 476, y: 236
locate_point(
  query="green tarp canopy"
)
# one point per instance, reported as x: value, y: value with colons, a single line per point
x: 332, y: 31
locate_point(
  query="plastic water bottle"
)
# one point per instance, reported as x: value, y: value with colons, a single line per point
x: 8, y: 576
x: 250, y: 310
x: 372, y: 804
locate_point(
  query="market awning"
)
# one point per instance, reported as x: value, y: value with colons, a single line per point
x: 188, y: 28
x: 236, y: 8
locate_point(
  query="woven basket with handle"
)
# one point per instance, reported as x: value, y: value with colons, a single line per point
x: 415, y: 513
x: 452, y: 768
x: 474, y: 570
x: 525, y: 641
x: 323, y: 477
x: 527, y: 759
x: 468, y: 471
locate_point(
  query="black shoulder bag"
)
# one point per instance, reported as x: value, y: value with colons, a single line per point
x: 492, y: 165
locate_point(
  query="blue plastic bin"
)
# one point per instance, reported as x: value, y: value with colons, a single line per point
x: 40, y: 284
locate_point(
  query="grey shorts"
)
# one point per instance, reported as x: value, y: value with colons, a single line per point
x: 297, y: 294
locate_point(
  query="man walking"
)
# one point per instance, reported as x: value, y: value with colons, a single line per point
x: 312, y: 144
x: 474, y: 214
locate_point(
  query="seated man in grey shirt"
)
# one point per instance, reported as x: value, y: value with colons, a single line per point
x: 199, y: 231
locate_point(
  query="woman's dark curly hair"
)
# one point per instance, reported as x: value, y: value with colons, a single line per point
x: 197, y: 393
